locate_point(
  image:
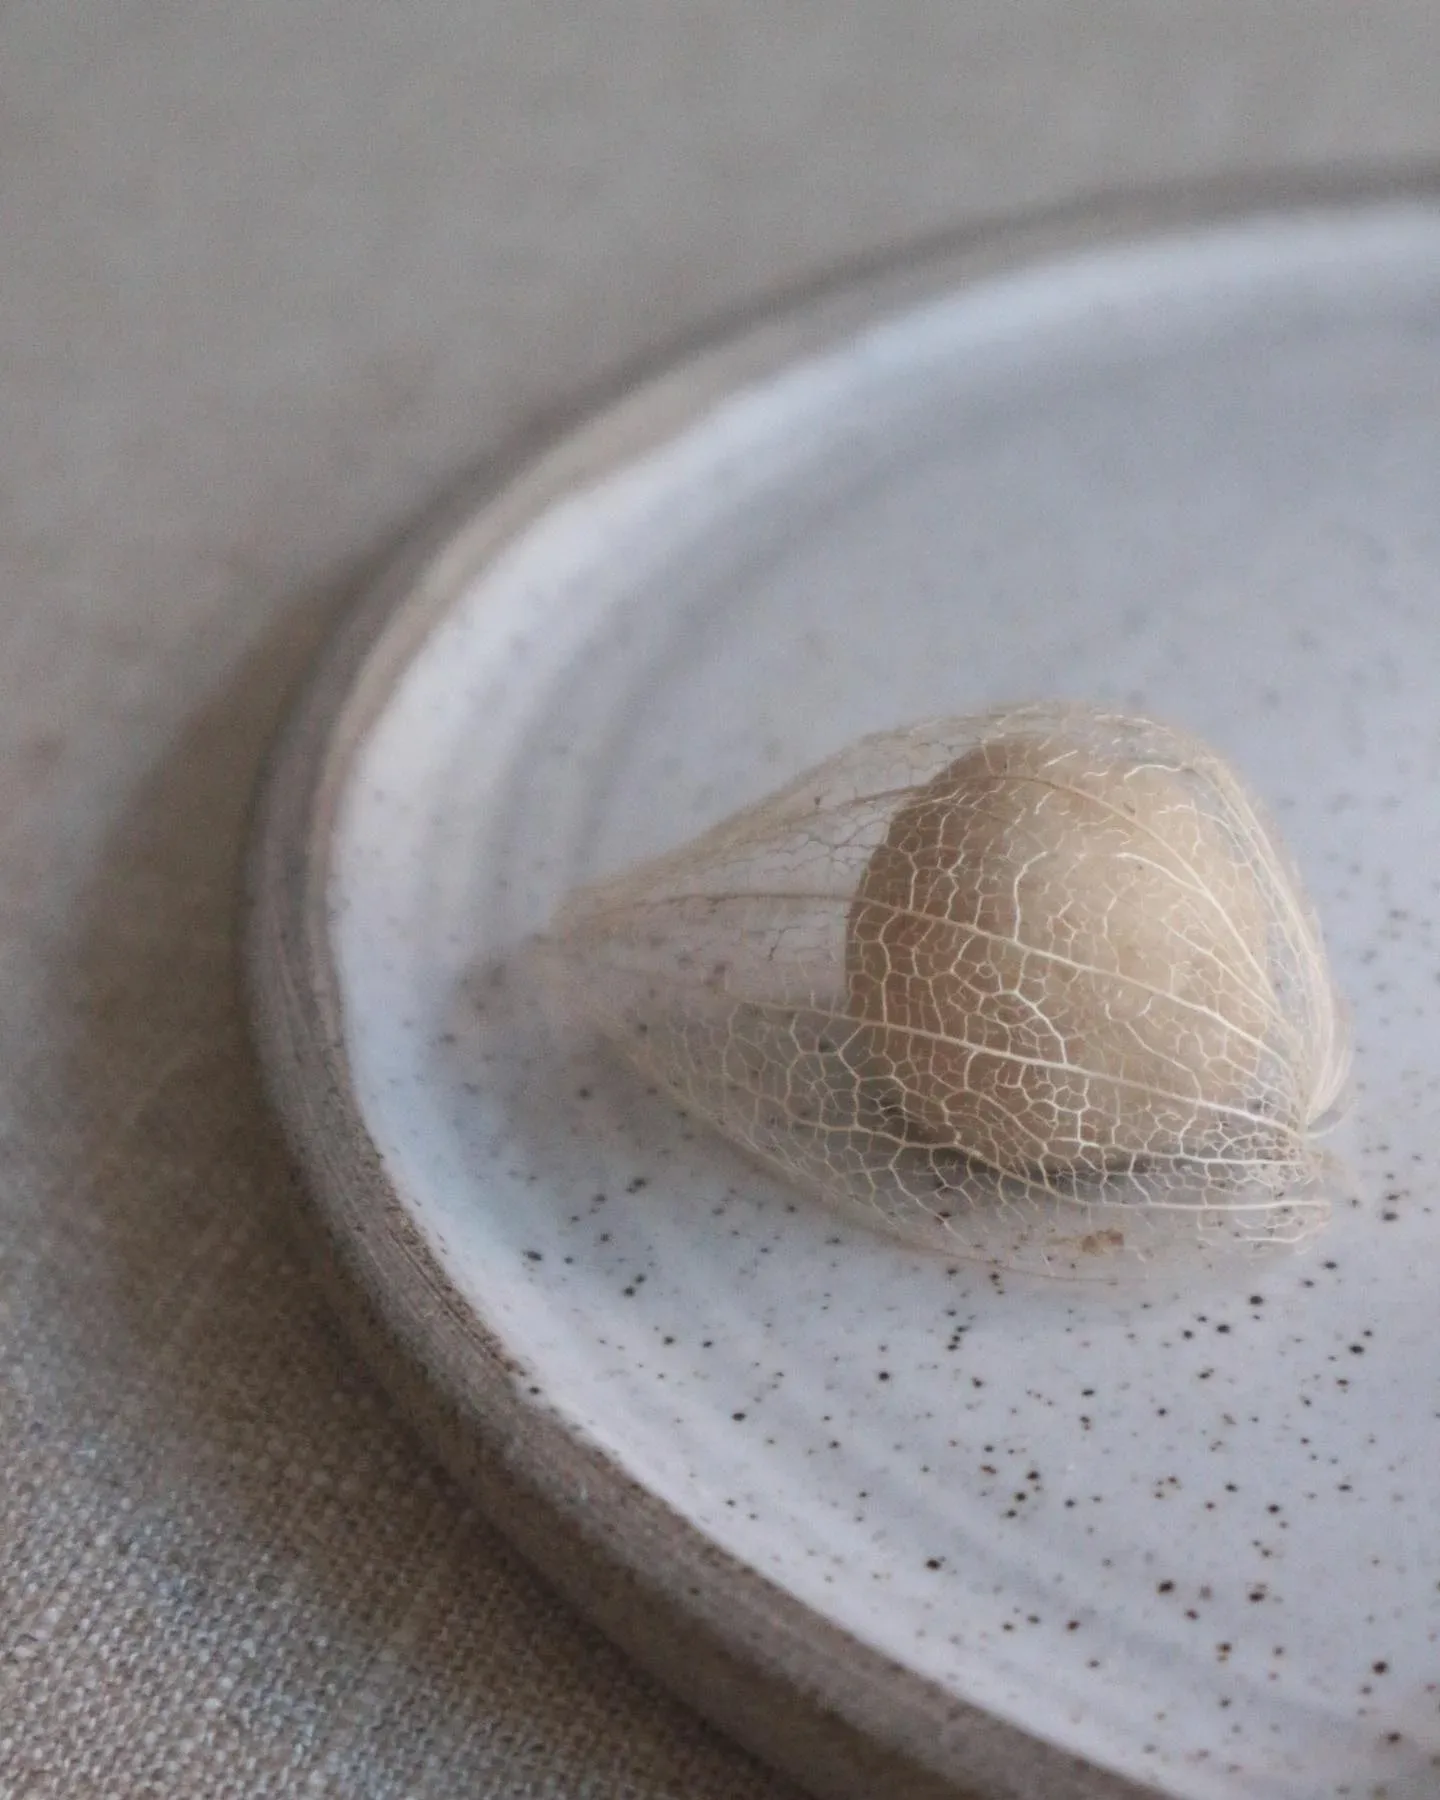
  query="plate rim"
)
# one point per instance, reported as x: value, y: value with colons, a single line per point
x: 808, y: 1697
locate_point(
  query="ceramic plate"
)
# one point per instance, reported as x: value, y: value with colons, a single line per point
x: 907, y: 1527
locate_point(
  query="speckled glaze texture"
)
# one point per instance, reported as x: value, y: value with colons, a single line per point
x: 1183, y: 1532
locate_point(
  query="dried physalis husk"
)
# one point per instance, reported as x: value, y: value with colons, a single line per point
x: 1036, y: 988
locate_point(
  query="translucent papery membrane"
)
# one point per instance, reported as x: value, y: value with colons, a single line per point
x: 1013, y: 1080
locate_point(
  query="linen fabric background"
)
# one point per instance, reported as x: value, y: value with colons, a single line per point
x: 271, y: 279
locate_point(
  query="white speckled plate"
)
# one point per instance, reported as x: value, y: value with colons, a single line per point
x: 907, y: 1528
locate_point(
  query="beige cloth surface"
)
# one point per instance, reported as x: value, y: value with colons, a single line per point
x: 270, y: 277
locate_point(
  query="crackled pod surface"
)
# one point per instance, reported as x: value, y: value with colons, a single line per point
x: 1030, y: 987
x: 1064, y: 957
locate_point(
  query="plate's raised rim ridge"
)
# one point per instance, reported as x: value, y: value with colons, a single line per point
x: 807, y: 1696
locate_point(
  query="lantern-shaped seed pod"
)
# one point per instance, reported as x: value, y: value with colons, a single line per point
x: 1033, y: 988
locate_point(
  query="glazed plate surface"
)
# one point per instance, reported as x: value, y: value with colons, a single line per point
x: 1035, y: 1537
